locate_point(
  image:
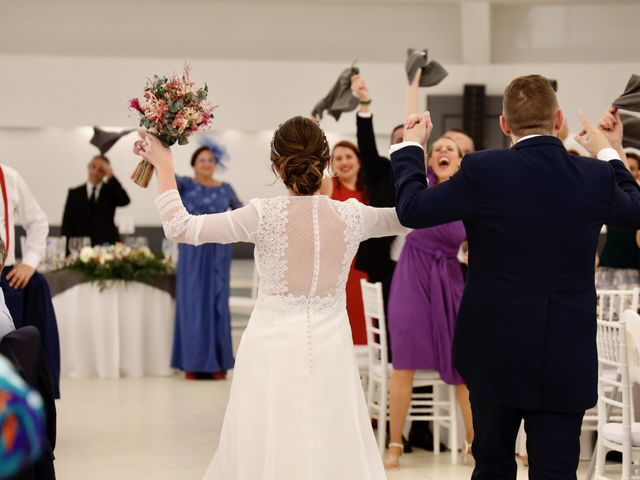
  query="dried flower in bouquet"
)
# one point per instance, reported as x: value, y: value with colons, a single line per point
x: 172, y: 109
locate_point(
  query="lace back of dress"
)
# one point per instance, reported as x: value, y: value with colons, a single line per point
x: 305, y: 247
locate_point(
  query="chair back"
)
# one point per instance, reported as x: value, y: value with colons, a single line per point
x: 612, y: 355
x: 376, y: 325
x: 611, y: 303
x: 631, y: 321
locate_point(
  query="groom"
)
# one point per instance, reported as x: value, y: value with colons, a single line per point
x: 525, y: 336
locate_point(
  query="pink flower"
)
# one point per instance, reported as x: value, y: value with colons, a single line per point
x: 180, y: 123
x: 134, y: 104
x: 158, y: 109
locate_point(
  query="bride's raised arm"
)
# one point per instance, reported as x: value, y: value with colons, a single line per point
x: 239, y: 225
x: 380, y: 222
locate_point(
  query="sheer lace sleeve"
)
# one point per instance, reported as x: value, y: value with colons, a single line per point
x: 238, y: 225
x: 380, y: 222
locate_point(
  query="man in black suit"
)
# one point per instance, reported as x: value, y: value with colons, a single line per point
x: 525, y: 336
x: 90, y: 208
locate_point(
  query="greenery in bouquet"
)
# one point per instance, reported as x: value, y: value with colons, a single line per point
x: 119, y: 262
x: 172, y: 108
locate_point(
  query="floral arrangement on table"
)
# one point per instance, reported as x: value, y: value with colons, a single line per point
x: 172, y: 109
x: 119, y: 262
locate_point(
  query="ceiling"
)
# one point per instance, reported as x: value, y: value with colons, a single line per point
x: 512, y: 31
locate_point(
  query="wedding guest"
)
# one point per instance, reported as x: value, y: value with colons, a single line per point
x: 525, y: 335
x: 26, y: 291
x: 296, y: 407
x: 464, y: 141
x: 374, y: 255
x: 349, y: 182
x: 619, y: 264
x: 22, y: 423
x: 633, y: 157
x: 6, y: 322
x: 423, y: 304
x: 202, y: 339
x: 22, y: 348
x: 90, y: 207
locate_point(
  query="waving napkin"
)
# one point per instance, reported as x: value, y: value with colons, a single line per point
x: 630, y: 99
x: 432, y: 72
x: 340, y: 98
x: 631, y: 131
x: 105, y: 140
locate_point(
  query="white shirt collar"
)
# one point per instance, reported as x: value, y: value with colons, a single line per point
x: 527, y: 137
x: 90, y: 187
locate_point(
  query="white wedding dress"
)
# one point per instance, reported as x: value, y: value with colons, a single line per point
x: 296, y: 409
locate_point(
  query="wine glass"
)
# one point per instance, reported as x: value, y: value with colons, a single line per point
x: 52, y: 258
x: 76, y: 244
x: 169, y: 251
x: 141, y: 242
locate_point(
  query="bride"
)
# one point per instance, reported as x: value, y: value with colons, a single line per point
x: 296, y: 409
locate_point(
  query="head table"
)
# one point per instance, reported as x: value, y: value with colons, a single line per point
x: 116, y: 329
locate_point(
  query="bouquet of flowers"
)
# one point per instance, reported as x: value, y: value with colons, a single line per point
x: 172, y: 109
x: 119, y: 262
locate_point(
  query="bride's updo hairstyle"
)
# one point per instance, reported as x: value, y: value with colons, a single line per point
x: 299, y: 155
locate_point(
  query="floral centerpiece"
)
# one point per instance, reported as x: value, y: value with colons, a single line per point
x: 172, y: 109
x: 119, y: 262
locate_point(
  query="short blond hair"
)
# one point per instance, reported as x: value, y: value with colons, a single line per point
x: 530, y: 106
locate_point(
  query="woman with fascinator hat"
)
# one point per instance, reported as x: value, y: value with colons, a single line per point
x: 296, y: 409
x: 202, y: 339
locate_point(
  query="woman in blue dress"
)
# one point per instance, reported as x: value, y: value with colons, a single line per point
x: 202, y: 338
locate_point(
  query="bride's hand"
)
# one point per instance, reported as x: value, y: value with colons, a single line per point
x: 152, y: 150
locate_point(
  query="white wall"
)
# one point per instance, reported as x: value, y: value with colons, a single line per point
x: 303, y: 30
x: 45, y: 99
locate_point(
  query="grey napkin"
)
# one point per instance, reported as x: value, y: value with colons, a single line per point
x: 340, y: 98
x: 631, y: 131
x: 105, y: 140
x: 432, y: 72
x: 630, y: 99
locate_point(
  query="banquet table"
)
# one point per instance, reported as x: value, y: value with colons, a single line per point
x: 114, y: 330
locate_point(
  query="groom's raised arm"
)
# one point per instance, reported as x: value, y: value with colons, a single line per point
x: 419, y: 205
x: 625, y: 204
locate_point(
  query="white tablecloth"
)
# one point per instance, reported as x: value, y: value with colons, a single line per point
x: 125, y: 330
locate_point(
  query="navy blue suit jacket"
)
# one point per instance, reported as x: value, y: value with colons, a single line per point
x: 525, y: 334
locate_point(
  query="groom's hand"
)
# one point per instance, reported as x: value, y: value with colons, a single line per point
x: 591, y: 137
x: 417, y: 128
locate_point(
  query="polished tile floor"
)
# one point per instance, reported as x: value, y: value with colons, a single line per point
x: 166, y: 429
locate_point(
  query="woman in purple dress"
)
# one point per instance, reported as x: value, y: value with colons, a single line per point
x: 425, y: 295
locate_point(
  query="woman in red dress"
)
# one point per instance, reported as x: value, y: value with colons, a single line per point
x: 347, y: 183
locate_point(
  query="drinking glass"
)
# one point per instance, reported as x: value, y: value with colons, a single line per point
x: 170, y: 250
x: 78, y: 243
